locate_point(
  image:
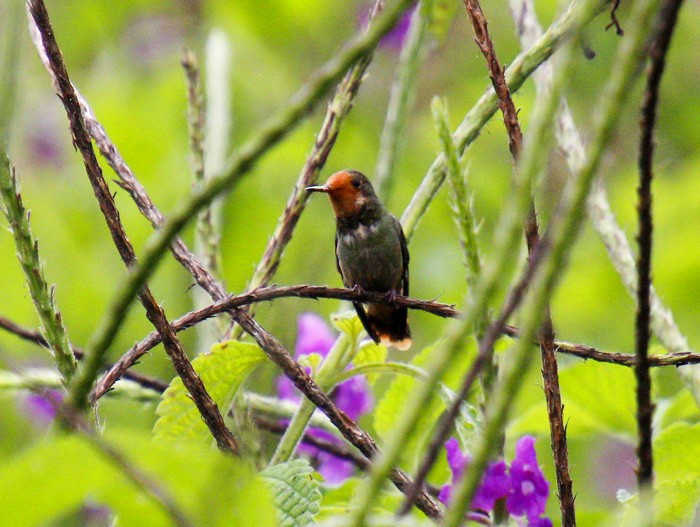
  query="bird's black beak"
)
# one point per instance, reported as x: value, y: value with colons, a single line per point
x: 317, y: 188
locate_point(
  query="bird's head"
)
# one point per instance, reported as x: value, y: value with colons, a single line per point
x: 349, y: 191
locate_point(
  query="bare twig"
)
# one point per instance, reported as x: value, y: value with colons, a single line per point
x: 550, y: 372
x: 308, y: 291
x: 338, y: 450
x: 665, y: 25
x: 83, y: 381
x: 614, y: 22
x: 37, y: 338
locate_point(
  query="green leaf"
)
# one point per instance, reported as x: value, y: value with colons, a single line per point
x: 596, y: 397
x: 58, y: 475
x: 681, y: 407
x: 348, y: 323
x: 370, y: 353
x: 392, y: 404
x: 223, y: 370
x: 295, y: 491
x: 677, y: 467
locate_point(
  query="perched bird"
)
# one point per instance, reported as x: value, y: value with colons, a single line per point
x: 371, y: 254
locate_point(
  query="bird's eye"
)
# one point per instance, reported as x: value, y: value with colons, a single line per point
x: 356, y: 183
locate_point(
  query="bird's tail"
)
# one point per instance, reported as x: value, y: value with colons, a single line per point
x: 390, y: 325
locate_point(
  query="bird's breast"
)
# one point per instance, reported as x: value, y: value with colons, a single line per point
x: 370, y: 256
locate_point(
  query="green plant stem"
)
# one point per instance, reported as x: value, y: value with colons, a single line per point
x: 285, y: 409
x: 32, y: 379
x: 565, y: 227
x: 461, y: 204
x: 28, y: 254
x: 516, y: 73
x: 240, y: 163
x: 217, y: 133
x: 338, y: 357
x: 9, y: 62
x: 401, y: 99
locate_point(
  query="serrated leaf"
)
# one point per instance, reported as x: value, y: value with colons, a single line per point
x: 392, y: 404
x: 296, y: 492
x: 348, y: 323
x: 370, y: 353
x: 223, y: 370
x: 677, y: 470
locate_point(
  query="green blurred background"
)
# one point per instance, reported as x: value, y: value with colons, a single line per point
x: 125, y: 58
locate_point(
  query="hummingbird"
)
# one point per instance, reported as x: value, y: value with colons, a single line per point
x: 370, y: 253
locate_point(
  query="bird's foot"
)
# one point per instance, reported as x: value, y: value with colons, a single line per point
x: 358, y: 290
x: 390, y: 297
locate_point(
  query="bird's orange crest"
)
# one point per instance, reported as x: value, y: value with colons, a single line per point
x: 345, y: 197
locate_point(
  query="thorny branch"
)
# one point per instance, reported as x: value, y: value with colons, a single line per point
x: 310, y: 291
x: 550, y: 372
x: 37, y: 338
x: 661, y: 40
x: 210, y: 413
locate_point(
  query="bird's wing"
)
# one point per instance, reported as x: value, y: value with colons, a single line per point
x: 359, y: 308
x: 404, y: 257
x: 337, y: 262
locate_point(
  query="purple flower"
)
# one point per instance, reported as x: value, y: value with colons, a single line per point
x: 352, y: 396
x: 495, y: 484
x: 396, y: 37
x: 41, y: 407
x: 530, y: 490
x: 313, y: 336
x: 334, y: 470
x: 524, y: 486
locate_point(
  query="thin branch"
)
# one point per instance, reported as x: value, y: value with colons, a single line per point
x: 665, y: 26
x: 82, y: 382
x: 37, y: 338
x: 614, y: 22
x: 314, y: 292
x: 497, y: 74
x: 550, y: 373
x: 401, y: 99
x: 339, y: 450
